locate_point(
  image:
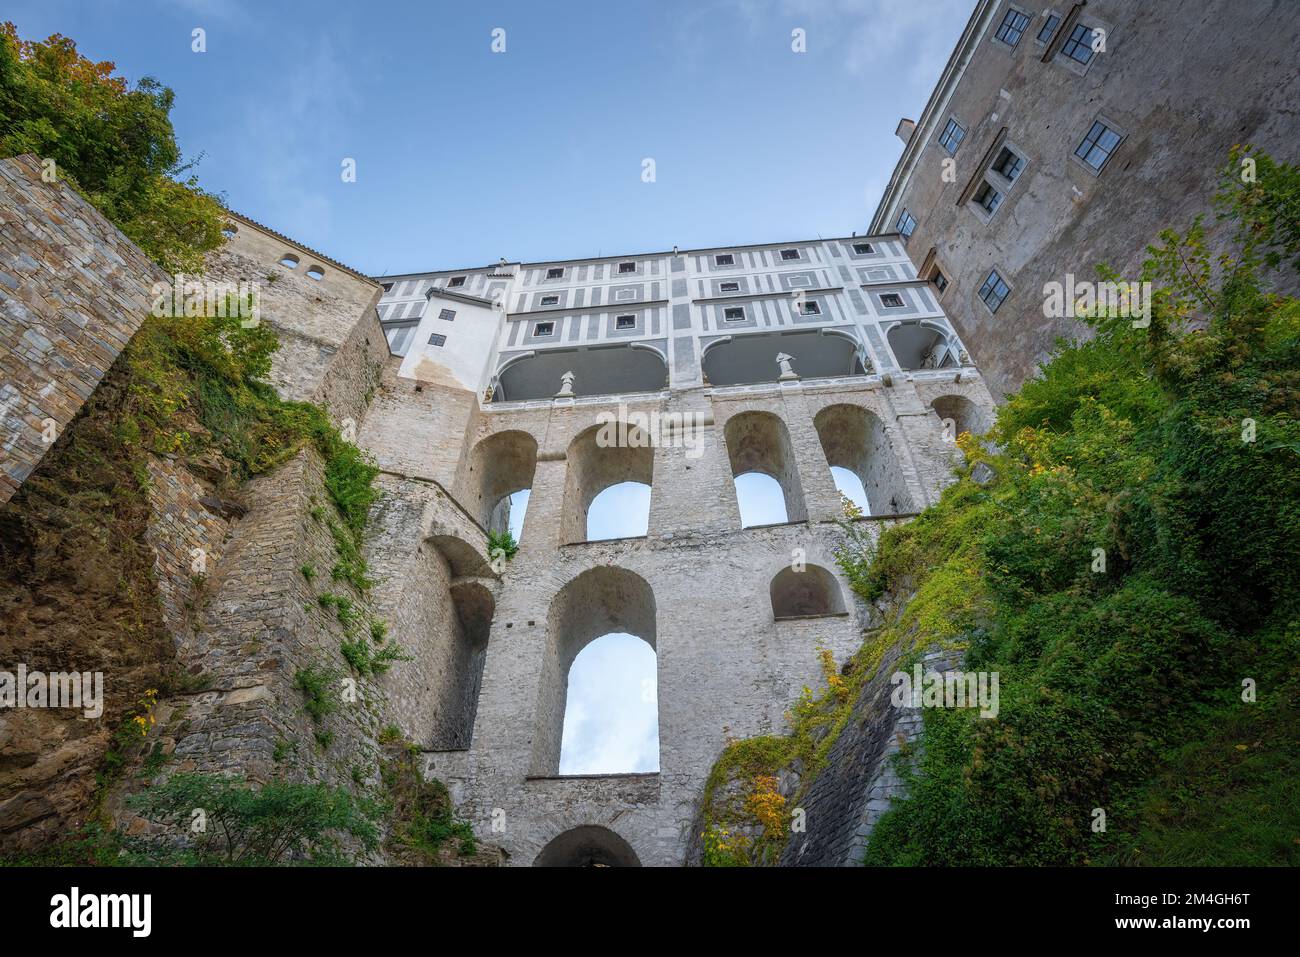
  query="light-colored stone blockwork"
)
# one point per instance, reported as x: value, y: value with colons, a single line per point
x: 73, y: 290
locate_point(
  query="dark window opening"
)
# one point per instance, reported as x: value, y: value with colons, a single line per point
x: 1012, y: 27
x: 994, y: 291
x: 437, y: 340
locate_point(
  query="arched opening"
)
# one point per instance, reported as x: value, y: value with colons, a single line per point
x: 229, y: 230
x: 289, y: 261
x: 812, y: 592
x: 600, y: 601
x: 462, y: 677
x: 959, y: 414
x: 751, y: 357
x: 759, y: 442
x: 316, y: 272
x: 850, y: 488
x: 761, y: 500
x: 599, y: 458
x: 500, y: 467
x: 620, y: 511
x: 857, y: 441
x: 918, y: 346
x: 611, y: 714
x: 597, y: 370
x: 588, y: 846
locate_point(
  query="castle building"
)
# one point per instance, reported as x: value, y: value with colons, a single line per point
x: 1061, y: 136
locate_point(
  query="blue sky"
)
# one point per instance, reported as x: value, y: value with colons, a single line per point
x: 464, y: 155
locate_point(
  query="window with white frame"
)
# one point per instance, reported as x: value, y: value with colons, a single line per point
x: 1012, y: 27
x: 724, y: 259
x: 625, y: 322
x: 448, y: 314
x: 939, y: 279
x: 788, y: 255
x: 863, y: 249
x: 952, y: 136
x: 544, y: 329
x: 1098, y: 145
x: 988, y: 197
x: 550, y: 300
x: 555, y: 272
x: 733, y: 314
x: 994, y: 291
x: 1008, y: 163
x: 891, y: 300
x: 626, y: 268
x: 729, y: 287
x: 810, y: 307
x: 437, y: 340
x: 455, y: 281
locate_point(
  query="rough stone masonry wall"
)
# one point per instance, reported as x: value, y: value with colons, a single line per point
x: 73, y: 290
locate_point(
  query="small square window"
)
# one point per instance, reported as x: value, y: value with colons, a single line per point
x: 952, y: 136
x: 906, y: 225
x: 989, y: 198
x: 724, y: 259
x: 1048, y: 28
x: 1009, y: 163
x: 448, y: 314
x: 1079, y: 45
x: 550, y: 300
x: 729, y: 287
x: 863, y: 249
x: 810, y: 308
x: 1097, y: 146
x: 556, y: 272
x: 437, y: 340
x: 1012, y: 27
x: 891, y: 300
x: 455, y: 281
x: 994, y: 291
x: 733, y: 313
x: 940, y: 281
x: 544, y: 329
x: 787, y: 255
x: 626, y: 268
x: 625, y: 322
x: 388, y: 287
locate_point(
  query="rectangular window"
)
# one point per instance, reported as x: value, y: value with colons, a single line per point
x: 1079, y: 46
x: 906, y: 225
x: 544, y: 329
x: 724, y: 259
x: 989, y: 198
x: 733, y: 313
x: 1012, y: 27
x: 952, y: 136
x: 1009, y: 163
x: 455, y: 281
x: 729, y: 287
x: 555, y: 273
x: 437, y: 340
x: 863, y: 249
x: 994, y: 291
x: 891, y: 300
x: 789, y: 254
x: 625, y: 322
x: 550, y: 300
x: 940, y: 281
x: 388, y: 287
x: 448, y: 314
x: 810, y: 308
x: 1097, y: 146
x: 626, y: 267
x: 1048, y: 28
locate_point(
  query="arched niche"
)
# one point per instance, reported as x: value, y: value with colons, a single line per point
x: 599, y: 370
x: 962, y: 413
x: 596, y: 459
x: 807, y: 593
x: 919, y: 345
x: 462, y: 679
x: 588, y: 846
x: 500, y: 465
x: 759, y: 442
x: 855, y: 439
x: 597, y: 602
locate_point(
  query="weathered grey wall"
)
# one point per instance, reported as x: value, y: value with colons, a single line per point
x: 1184, y: 81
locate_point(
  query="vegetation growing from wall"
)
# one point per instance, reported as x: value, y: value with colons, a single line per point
x: 1129, y: 574
x: 114, y: 144
x: 425, y: 828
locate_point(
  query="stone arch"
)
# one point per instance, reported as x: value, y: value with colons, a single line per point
x: 751, y: 357
x: 813, y: 592
x: 599, y: 457
x: 500, y: 465
x: 923, y: 345
x: 316, y: 272
x: 965, y: 414
x: 597, y: 602
x: 587, y: 846
x: 462, y: 677
x: 759, y: 441
x: 289, y: 261
x: 597, y: 370
x: 855, y: 439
